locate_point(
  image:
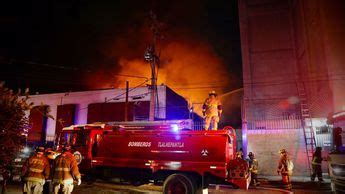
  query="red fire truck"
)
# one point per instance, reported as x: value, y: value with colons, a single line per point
x: 183, y: 160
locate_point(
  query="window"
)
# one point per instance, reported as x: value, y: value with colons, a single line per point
x: 75, y: 138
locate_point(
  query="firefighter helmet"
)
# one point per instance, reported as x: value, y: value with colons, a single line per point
x: 282, y: 151
x: 40, y: 149
x: 251, y: 154
x: 66, y: 147
x: 239, y: 154
x: 212, y: 93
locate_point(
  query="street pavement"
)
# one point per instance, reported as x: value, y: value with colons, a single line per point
x: 269, y: 185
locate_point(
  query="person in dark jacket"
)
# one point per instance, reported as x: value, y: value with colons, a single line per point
x: 253, y: 169
x: 316, y: 165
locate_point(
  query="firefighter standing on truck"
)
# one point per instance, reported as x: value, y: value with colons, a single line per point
x: 212, y: 111
x: 285, y: 168
x: 35, y: 171
x: 65, y: 170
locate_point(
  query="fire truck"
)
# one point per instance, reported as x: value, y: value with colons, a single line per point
x: 183, y: 160
x: 336, y: 158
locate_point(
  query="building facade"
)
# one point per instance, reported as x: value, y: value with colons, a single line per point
x: 293, y: 63
x: 52, y: 112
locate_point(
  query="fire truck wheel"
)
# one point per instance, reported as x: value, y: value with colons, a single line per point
x: 89, y: 179
x: 178, y: 184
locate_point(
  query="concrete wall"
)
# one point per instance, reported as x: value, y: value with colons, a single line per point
x: 269, y: 64
x: 284, y: 43
x: 334, y: 26
x: 265, y: 144
x: 319, y: 30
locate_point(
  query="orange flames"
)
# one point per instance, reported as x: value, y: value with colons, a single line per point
x: 191, y: 68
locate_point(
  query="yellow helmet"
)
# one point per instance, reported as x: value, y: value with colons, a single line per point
x: 212, y: 93
x: 282, y: 151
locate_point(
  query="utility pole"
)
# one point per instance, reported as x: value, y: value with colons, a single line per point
x: 152, y: 57
x: 126, y: 103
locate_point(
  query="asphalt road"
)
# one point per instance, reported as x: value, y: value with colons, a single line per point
x: 267, y: 187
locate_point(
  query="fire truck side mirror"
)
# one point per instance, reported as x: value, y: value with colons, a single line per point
x: 229, y: 140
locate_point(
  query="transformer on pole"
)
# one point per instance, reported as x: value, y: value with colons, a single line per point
x: 152, y: 57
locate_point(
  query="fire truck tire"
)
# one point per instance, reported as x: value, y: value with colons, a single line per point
x: 90, y: 178
x: 178, y: 184
x: 197, y: 182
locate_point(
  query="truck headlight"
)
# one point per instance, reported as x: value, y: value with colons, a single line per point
x: 338, y: 169
x: 26, y: 150
x: 174, y: 127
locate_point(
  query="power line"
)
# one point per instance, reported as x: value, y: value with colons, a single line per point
x: 132, y: 89
x: 197, y: 88
x: 13, y: 61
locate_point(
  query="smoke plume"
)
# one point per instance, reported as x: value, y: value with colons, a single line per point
x: 188, y: 64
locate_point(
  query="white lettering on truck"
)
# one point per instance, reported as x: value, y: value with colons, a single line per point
x: 170, y: 144
x: 139, y: 144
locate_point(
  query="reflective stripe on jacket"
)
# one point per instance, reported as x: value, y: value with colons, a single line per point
x: 36, y: 168
x: 253, y: 165
x: 317, y: 160
x: 65, y: 168
x: 283, y: 165
x: 212, y: 107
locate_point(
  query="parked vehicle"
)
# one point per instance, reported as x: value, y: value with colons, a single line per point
x: 336, y: 159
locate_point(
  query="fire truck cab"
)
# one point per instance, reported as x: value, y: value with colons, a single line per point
x: 183, y: 160
x: 82, y: 139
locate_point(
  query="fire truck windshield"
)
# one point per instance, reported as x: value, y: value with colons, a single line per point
x: 74, y: 138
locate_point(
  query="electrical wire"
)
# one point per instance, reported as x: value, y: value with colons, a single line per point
x: 116, y: 97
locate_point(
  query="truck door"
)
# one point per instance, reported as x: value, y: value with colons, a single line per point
x: 96, y: 139
x: 231, y: 148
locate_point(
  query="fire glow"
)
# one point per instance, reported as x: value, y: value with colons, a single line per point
x: 191, y: 68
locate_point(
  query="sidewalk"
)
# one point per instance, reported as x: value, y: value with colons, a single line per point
x: 12, y: 188
x: 300, y: 184
x: 269, y: 184
x: 303, y: 179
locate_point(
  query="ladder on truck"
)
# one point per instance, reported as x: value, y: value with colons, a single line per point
x: 307, y: 124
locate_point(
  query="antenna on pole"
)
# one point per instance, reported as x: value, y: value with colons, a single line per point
x: 153, y: 59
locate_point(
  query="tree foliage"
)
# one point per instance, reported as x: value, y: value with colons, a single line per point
x: 13, y: 123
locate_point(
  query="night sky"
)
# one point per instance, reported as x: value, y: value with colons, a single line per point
x: 55, y: 45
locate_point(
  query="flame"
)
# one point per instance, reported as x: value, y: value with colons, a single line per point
x: 190, y: 67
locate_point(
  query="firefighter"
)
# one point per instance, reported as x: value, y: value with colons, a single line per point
x: 212, y: 111
x: 49, y: 153
x: 65, y: 170
x: 239, y: 153
x: 253, y: 169
x: 285, y: 168
x: 35, y: 171
x: 316, y: 165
